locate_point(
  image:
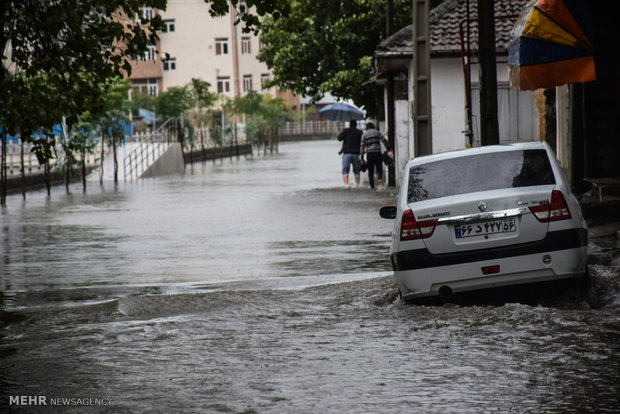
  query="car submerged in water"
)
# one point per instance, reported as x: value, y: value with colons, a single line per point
x: 480, y: 218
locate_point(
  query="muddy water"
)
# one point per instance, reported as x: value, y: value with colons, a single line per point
x: 261, y: 285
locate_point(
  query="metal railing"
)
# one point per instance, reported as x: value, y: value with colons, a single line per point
x: 312, y: 127
x: 139, y: 160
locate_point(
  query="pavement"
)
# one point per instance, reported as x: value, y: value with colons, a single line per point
x: 603, y: 253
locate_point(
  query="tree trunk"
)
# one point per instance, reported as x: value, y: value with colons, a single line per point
x: 115, y: 160
x: 67, y: 177
x: 48, y: 183
x: 3, y: 168
x: 84, y: 167
x: 67, y: 167
x: 67, y: 150
x: 22, y: 167
x: 101, y: 168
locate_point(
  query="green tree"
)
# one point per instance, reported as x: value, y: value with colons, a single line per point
x: 203, y: 100
x: 171, y: 105
x: 256, y: 123
x: 322, y: 46
x: 83, y: 140
x: 77, y: 45
x: 173, y: 102
x: 265, y: 116
x: 200, y: 94
x: 113, y: 117
x: 57, y: 54
x: 141, y: 100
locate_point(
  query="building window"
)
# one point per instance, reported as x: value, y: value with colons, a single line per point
x: 146, y: 14
x: 145, y: 86
x: 246, y: 46
x: 223, y: 84
x: 263, y: 79
x: 170, y: 64
x: 169, y: 26
x: 150, y: 54
x: 221, y: 46
x: 261, y: 45
x: 247, y: 83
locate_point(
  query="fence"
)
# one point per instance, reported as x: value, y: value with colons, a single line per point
x: 15, y: 150
x: 156, y: 141
x: 312, y: 128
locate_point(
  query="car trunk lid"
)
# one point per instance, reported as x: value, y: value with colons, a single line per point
x: 483, y: 220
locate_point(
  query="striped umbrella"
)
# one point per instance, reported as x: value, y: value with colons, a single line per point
x: 551, y: 44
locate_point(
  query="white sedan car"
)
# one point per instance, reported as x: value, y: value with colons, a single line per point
x: 485, y: 217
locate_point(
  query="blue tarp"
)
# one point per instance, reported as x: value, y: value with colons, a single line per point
x: 148, y: 116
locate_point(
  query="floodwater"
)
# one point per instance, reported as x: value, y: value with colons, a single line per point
x: 261, y: 285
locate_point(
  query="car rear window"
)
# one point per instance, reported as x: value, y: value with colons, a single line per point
x: 480, y: 172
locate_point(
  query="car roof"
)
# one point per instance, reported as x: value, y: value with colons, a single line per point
x: 519, y: 146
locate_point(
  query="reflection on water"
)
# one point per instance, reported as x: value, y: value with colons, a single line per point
x: 262, y: 286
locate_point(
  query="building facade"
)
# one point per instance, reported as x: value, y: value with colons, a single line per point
x: 194, y: 44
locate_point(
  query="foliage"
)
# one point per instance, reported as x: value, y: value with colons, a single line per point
x: 82, y: 137
x: 321, y: 46
x: 58, y: 57
x: 200, y: 94
x: 265, y: 115
x: 326, y: 46
x: 202, y: 100
x: 142, y: 100
x: 218, y: 133
x: 250, y: 16
x: 173, y: 102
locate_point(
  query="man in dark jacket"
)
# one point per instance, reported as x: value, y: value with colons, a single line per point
x: 351, y: 138
x: 371, y: 145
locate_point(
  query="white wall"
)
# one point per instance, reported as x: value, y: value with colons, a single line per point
x: 401, y: 138
x: 517, y: 111
x: 448, y: 102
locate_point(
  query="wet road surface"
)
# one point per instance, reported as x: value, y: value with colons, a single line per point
x: 261, y: 285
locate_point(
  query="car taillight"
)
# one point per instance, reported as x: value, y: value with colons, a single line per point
x: 410, y: 229
x: 557, y: 210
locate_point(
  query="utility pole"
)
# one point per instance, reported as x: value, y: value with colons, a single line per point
x: 421, y: 110
x: 235, y: 51
x: 391, y: 123
x: 489, y: 125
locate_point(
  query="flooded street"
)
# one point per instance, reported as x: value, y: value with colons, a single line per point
x: 261, y: 285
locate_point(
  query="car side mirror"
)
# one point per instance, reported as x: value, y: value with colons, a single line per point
x: 388, y: 212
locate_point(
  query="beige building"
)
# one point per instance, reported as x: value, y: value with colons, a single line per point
x: 212, y: 49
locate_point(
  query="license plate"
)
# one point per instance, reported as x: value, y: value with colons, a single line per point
x: 506, y: 225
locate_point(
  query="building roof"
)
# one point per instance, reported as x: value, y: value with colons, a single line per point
x: 444, y: 23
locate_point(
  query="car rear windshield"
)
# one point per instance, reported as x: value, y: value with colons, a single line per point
x: 480, y: 172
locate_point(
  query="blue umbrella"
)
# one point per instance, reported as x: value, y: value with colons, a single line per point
x: 341, y: 111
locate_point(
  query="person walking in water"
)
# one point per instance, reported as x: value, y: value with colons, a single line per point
x: 371, y: 146
x: 351, y: 138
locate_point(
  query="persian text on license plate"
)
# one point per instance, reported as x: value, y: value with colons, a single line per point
x: 488, y: 227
